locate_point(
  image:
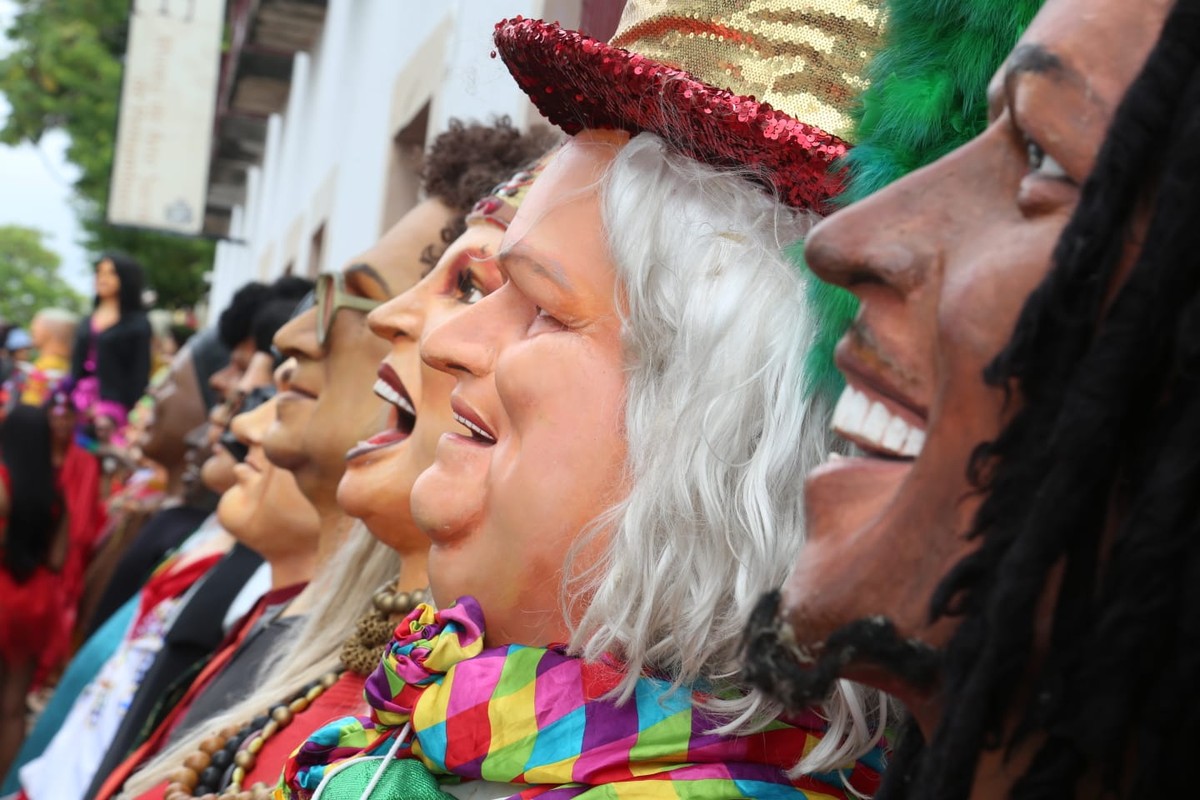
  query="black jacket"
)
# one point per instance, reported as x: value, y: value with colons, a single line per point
x: 122, y: 357
x: 187, y: 646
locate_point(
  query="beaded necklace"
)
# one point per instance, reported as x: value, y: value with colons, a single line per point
x: 218, y: 768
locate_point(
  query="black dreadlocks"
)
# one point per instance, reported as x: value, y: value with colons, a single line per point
x: 1095, y: 483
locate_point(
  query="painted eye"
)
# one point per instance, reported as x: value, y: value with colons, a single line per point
x: 543, y: 322
x: 1042, y: 164
x: 469, y: 292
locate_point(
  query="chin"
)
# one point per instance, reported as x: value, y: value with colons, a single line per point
x: 285, y: 448
x: 231, y: 512
x: 218, y: 478
x: 449, y: 497
x: 389, y: 521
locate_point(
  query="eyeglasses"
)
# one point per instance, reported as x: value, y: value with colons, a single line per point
x: 332, y: 296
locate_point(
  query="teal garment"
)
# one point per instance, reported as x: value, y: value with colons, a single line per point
x: 79, y: 673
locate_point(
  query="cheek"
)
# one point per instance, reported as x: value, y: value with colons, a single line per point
x: 348, y: 386
x: 980, y: 303
x: 564, y: 397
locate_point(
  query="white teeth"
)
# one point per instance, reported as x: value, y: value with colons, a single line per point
x: 835, y: 456
x: 896, y: 433
x: 851, y: 408
x: 872, y: 425
x: 914, y: 443
x: 471, y: 426
x: 876, y: 422
x: 388, y: 393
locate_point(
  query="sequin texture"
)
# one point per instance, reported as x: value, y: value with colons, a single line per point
x: 578, y: 82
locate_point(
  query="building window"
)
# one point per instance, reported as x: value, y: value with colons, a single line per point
x: 404, y: 169
x: 316, y: 252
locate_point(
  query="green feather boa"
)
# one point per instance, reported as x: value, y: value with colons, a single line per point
x: 927, y: 97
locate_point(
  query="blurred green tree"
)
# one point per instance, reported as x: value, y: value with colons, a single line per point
x: 29, y: 278
x: 64, y: 71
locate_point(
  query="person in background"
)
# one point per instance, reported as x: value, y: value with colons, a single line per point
x: 79, y: 481
x: 33, y: 550
x: 110, y: 361
x: 19, y: 343
x: 50, y: 504
x: 5, y: 356
x: 181, y: 403
x: 67, y: 765
x: 53, y: 334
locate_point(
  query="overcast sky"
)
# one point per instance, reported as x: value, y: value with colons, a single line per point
x: 35, y: 189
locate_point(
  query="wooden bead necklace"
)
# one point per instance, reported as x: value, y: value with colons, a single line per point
x: 226, y: 758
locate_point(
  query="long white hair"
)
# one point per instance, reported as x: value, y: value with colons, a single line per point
x: 342, y: 592
x: 720, y: 438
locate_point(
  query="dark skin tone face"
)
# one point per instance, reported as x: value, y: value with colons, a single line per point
x: 942, y: 262
x: 178, y: 409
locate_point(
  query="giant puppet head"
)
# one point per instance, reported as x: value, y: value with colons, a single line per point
x: 633, y: 431
x: 1010, y: 383
x: 381, y: 469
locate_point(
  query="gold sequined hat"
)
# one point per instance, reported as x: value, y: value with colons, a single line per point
x: 759, y: 84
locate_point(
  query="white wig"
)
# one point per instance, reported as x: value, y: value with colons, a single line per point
x: 720, y: 437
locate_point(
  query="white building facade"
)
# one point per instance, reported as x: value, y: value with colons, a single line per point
x: 337, y: 164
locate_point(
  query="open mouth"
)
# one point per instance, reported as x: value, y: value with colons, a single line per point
x: 467, y: 417
x: 402, y: 415
x: 875, y: 427
x: 389, y: 388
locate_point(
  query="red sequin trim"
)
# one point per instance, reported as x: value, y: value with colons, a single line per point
x: 578, y: 82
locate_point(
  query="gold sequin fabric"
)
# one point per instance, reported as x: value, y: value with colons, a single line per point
x: 807, y: 59
x: 761, y: 86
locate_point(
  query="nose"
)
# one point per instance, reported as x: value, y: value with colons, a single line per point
x: 298, y: 338
x: 467, y: 342
x: 881, y: 241
x: 250, y: 426
x: 400, y: 316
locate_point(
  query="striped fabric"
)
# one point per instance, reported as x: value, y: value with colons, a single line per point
x: 538, y: 718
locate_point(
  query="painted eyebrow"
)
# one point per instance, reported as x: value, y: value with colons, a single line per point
x: 1038, y: 60
x: 363, y: 268
x: 539, y: 265
x: 1030, y: 59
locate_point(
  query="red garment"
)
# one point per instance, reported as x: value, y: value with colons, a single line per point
x: 79, y: 484
x: 30, y: 614
x: 342, y: 699
x: 47, y: 603
x: 29, y: 610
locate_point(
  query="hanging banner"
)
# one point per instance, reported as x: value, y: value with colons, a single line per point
x: 168, y: 101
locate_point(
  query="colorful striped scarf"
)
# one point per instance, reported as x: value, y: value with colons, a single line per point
x: 539, y: 718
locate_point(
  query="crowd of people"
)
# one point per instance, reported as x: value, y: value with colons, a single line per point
x: 560, y: 489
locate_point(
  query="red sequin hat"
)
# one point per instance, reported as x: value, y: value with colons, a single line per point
x: 690, y: 71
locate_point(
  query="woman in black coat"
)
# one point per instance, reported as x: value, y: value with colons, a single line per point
x: 111, y: 359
